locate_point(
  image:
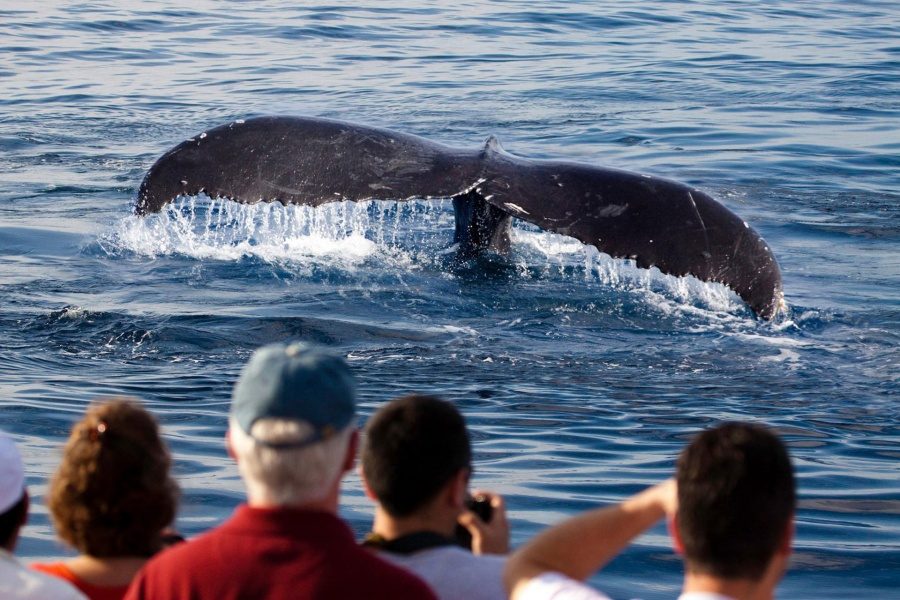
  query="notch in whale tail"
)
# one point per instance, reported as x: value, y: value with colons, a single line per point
x: 480, y: 226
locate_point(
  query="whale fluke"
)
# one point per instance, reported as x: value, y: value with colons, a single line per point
x: 297, y: 160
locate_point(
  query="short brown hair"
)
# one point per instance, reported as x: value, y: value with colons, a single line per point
x: 113, y: 494
x: 413, y: 446
x: 736, y: 499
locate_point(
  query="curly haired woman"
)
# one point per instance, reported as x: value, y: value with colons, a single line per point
x: 111, y: 498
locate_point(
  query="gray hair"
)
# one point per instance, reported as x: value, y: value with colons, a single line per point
x: 288, y: 476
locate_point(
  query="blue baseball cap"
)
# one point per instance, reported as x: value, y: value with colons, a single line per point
x: 295, y: 381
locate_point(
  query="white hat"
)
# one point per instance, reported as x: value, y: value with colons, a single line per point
x: 12, y: 475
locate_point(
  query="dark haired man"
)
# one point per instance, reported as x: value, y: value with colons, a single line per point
x: 18, y: 582
x: 731, y: 509
x: 416, y: 464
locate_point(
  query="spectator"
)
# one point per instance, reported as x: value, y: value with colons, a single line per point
x: 291, y: 431
x: 733, y: 507
x: 111, y: 498
x: 416, y: 464
x: 17, y: 582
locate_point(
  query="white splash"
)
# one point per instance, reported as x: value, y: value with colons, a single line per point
x: 398, y: 235
x: 341, y: 233
x: 669, y: 294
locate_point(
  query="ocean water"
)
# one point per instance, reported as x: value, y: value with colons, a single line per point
x: 581, y: 377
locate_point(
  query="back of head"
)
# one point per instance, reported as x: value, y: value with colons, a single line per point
x: 736, y: 500
x: 13, y: 503
x: 112, y: 494
x: 292, y: 416
x: 413, y: 446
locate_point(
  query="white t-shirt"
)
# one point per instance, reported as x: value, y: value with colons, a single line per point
x: 454, y: 573
x: 556, y: 586
x: 18, y: 582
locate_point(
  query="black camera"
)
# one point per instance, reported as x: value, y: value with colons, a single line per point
x: 481, y: 506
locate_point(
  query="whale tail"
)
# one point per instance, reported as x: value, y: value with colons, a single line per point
x: 657, y: 222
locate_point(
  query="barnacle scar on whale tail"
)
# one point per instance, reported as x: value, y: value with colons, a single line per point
x: 299, y: 160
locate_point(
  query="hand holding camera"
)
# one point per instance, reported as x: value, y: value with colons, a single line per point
x: 484, y: 523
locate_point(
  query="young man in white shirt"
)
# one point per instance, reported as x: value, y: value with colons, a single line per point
x: 416, y: 464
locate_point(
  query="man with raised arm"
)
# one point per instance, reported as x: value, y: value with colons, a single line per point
x: 731, y: 509
x: 416, y: 464
x: 292, y: 433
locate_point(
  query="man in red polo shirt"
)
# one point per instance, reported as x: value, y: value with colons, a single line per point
x: 292, y: 433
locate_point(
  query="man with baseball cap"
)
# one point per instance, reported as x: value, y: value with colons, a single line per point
x: 16, y: 580
x: 292, y: 433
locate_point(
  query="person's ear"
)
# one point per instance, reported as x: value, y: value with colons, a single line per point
x: 25, y: 512
x: 784, y: 547
x: 362, y: 476
x: 352, y: 449
x: 228, y: 447
x: 458, y: 489
x: 672, y: 524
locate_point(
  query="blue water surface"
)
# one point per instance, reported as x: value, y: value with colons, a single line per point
x: 581, y: 377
